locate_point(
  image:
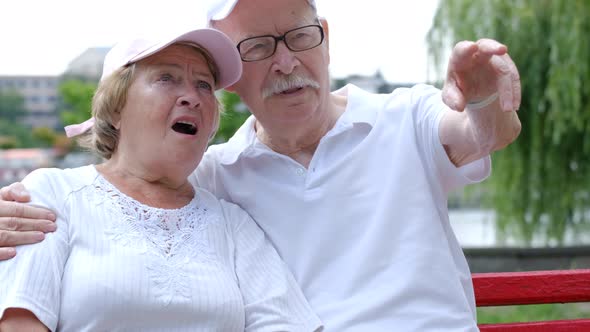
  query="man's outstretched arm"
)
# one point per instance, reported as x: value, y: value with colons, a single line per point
x: 20, y: 223
x: 483, y: 90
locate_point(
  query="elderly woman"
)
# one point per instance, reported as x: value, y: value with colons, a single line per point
x: 137, y: 247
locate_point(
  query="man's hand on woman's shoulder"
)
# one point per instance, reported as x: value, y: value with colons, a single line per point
x: 20, y: 223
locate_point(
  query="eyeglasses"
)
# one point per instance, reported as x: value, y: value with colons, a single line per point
x: 297, y: 40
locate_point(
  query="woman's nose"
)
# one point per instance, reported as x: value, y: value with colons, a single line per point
x: 189, y: 98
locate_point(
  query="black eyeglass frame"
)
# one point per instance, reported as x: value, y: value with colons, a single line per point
x: 282, y: 38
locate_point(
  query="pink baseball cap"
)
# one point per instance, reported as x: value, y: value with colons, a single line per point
x: 220, y: 9
x: 220, y: 47
x: 222, y: 50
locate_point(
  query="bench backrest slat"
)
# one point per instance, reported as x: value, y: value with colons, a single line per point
x: 538, y: 287
x: 515, y: 288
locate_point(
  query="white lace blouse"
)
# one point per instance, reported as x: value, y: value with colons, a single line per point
x: 116, y: 264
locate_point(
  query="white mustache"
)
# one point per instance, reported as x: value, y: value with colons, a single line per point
x: 287, y: 82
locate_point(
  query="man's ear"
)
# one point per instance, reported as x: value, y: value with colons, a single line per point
x: 324, y: 24
x: 231, y: 88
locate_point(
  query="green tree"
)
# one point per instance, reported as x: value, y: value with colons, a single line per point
x: 12, y: 106
x: 541, y: 182
x: 234, y: 115
x: 77, y: 100
x: 15, y: 135
x: 46, y: 136
x: 12, y: 133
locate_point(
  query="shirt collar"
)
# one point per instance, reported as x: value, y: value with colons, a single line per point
x: 360, y: 105
x: 359, y: 109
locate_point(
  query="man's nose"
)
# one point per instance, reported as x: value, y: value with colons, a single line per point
x: 284, y: 60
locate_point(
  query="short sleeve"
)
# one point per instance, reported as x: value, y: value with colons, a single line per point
x: 32, y: 279
x: 429, y: 112
x: 273, y: 300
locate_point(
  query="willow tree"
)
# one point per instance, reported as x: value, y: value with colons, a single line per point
x: 541, y: 183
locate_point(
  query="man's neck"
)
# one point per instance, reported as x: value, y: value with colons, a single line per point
x: 300, y: 143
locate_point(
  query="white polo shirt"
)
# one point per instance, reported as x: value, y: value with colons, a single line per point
x: 365, y: 228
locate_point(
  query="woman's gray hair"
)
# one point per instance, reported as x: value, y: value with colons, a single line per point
x: 110, y: 98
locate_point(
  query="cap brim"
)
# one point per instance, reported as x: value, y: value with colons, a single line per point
x: 220, y: 47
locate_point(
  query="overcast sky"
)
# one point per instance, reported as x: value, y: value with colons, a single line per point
x: 40, y: 37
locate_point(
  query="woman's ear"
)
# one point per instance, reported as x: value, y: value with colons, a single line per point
x: 116, y: 119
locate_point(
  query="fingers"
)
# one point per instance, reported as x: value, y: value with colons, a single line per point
x: 12, y: 239
x: 477, y: 70
x: 452, y: 94
x: 516, y: 85
x: 15, y: 192
x: 7, y: 253
x: 24, y: 225
x: 508, y: 82
x: 466, y: 54
x: 453, y: 97
x: 21, y: 210
x: 491, y: 47
x: 462, y: 55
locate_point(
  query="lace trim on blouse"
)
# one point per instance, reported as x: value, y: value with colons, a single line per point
x: 171, y: 239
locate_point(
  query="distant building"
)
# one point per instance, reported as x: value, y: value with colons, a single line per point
x: 40, y: 93
x: 40, y: 98
x: 88, y: 65
x: 374, y: 84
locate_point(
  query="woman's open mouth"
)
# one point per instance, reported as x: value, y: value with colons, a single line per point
x: 185, y: 127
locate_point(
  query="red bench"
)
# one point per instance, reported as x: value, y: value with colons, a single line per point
x: 539, y: 287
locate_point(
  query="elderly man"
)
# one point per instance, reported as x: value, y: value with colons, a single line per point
x: 351, y: 187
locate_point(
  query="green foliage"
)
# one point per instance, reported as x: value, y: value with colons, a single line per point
x: 77, y: 100
x: 14, y: 135
x: 12, y: 106
x: 234, y: 115
x: 540, y: 182
x: 529, y: 313
x: 44, y: 135
x: 338, y: 83
x: 8, y: 142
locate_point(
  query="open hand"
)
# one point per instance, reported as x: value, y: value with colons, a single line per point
x: 479, y: 69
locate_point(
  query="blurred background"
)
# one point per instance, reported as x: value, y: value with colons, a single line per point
x: 532, y: 214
